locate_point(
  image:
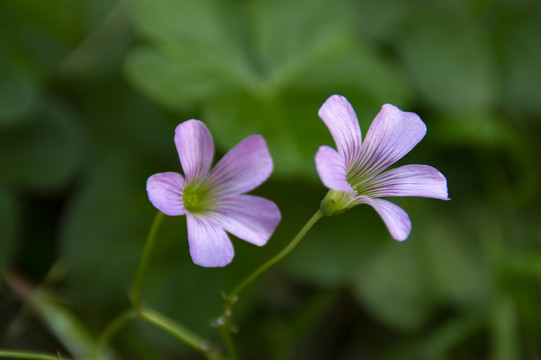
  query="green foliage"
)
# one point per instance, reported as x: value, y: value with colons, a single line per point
x: 257, y: 67
x: 90, y: 94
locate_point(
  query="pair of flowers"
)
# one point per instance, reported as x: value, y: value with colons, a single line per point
x: 214, y: 202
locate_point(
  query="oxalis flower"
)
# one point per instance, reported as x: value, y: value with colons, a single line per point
x: 355, y: 174
x: 213, y: 200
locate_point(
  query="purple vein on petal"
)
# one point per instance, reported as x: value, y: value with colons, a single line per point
x: 209, y: 244
x: 243, y: 168
x: 250, y: 218
x: 339, y: 116
x: 195, y: 148
x: 165, y: 192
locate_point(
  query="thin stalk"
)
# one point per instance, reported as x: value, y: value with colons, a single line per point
x: 230, y: 298
x: 32, y: 355
x: 177, y: 330
x: 145, y: 259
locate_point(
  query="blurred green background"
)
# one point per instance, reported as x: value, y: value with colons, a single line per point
x: 90, y: 94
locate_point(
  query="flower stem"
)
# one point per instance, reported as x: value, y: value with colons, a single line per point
x: 225, y: 333
x: 32, y: 355
x: 230, y: 298
x: 223, y: 322
x: 145, y: 258
x: 187, y: 336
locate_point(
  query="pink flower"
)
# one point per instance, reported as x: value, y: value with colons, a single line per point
x: 213, y: 200
x: 355, y: 171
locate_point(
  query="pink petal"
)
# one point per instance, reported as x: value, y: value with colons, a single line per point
x: 243, y: 168
x: 195, y: 148
x: 209, y: 244
x: 331, y: 168
x: 395, y: 218
x: 410, y: 180
x: 165, y: 192
x: 250, y: 218
x: 392, y: 135
x: 340, y: 118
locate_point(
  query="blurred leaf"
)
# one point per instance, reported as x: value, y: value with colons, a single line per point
x: 522, y: 88
x: 440, y: 343
x: 477, y: 129
x: 44, y: 153
x: 62, y: 321
x: 505, y: 342
x: 457, y: 268
x: 259, y: 67
x: 449, y: 57
x: 333, y: 251
x: 19, y: 91
x: 8, y: 224
x: 392, y: 284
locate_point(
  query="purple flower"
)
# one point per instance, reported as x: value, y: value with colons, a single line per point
x: 354, y: 172
x: 213, y: 200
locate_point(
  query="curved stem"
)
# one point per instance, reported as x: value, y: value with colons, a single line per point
x: 230, y: 298
x: 32, y: 355
x: 187, y: 336
x: 145, y: 258
x: 223, y: 322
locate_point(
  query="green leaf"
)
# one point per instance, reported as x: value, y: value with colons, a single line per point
x: 521, y: 73
x: 44, y: 153
x: 9, y: 215
x: 457, y: 268
x: 19, y: 91
x: 505, y: 340
x: 259, y: 67
x: 61, y: 320
x: 449, y: 58
x: 393, y: 286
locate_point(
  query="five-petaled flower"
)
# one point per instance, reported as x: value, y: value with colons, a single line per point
x: 213, y: 200
x: 354, y: 172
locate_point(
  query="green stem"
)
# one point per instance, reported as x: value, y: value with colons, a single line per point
x: 223, y: 322
x: 228, y: 342
x: 145, y: 258
x: 187, y: 336
x: 33, y: 355
x: 230, y: 299
x: 112, y: 329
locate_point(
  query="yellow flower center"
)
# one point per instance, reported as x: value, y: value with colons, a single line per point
x: 196, y: 198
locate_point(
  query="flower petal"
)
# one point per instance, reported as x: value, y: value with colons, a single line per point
x: 392, y: 135
x: 249, y: 218
x: 243, y: 168
x: 340, y: 118
x: 195, y: 148
x: 395, y: 218
x: 331, y: 168
x: 209, y: 244
x: 165, y: 192
x: 410, y: 180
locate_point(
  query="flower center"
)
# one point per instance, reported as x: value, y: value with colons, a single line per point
x: 336, y: 202
x: 196, y: 198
